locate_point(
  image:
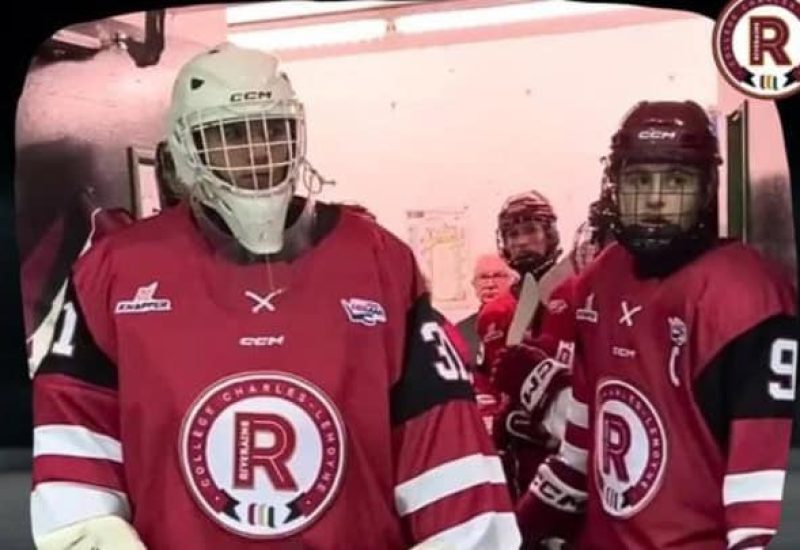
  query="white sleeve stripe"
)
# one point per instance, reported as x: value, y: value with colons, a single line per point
x: 578, y: 413
x: 447, y: 479
x: 573, y: 456
x: 735, y: 536
x: 488, y: 530
x: 77, y: 441
x: 766, y: 485
x: 57, y: 504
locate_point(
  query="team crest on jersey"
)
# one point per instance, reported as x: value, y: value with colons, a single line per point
x: 143, y: 301
x: 263, y: 453
x: 557, y: 306
x: 631, y: 448
x: 364, y: 312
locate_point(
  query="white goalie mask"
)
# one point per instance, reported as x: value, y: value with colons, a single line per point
x: 237, y: 136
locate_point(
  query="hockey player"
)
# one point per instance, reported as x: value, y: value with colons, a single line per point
x: 40, y: 327
x: 252, y: 369
x: 535, y: 373
x: 686, y: 361
x: 528, y: 240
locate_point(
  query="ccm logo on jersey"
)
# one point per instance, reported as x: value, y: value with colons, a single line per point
x: 255, y: 95
x: 261, y: 341
x: 364, y: 312
x: 144, y: 301
x: 625, y: 353
x: 657, y: 134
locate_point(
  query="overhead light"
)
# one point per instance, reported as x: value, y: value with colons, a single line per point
x: 266, y: 11
x: 78, y: 39
x: 498, y: 15
x: 311, y: 35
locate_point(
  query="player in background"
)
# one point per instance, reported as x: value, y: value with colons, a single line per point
x: 535, y: 373
x: 533, y: 377
x: 528, y: 240
x: 686, y: 362
x: 252, y: 368
x: 40, y: 326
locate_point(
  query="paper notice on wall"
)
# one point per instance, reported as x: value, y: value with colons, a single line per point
x: 438, y: 239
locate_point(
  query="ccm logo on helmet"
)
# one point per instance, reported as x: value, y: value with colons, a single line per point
x: 657, y: 134
x: 250, y: 96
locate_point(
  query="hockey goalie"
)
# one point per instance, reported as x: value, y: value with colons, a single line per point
x: 253, y: 368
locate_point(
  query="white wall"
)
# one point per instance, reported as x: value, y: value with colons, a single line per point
x: 469, y: 124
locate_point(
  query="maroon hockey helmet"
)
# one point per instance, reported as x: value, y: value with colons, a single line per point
x: 665, y: 132
x: 522, y: 208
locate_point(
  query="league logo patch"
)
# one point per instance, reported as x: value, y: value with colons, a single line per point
x: 144, y: 301
x: 631, y: 448
x: 587, y: 312
x: 263, y: 454
x: 364, y: 312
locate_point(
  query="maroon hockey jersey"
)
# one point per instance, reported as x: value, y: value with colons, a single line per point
x: 679, y: 431
x: 317, y: 403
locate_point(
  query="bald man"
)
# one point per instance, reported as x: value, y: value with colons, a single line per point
x: 491, y: 277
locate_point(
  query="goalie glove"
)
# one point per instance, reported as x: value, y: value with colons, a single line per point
x: 101, y: 533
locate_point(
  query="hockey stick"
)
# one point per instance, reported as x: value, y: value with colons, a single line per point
x: 555, y: 276
x: 524, y: 312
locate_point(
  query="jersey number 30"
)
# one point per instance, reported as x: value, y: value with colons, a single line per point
x: 448, y: 364
x: 783, y: 363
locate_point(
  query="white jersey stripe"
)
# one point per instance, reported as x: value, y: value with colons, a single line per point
x: 447, y: 479
x: 735, y: 536
x: 573, y: 456
x: 57, y: 504
x: 488, y: 531
x: 578, y: 413
x: 765, y: 485
x: 77, y: 441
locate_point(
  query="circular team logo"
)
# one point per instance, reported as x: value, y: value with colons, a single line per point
x: 757, y: 47
x: 263, y: 453
x: 631, y: 449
